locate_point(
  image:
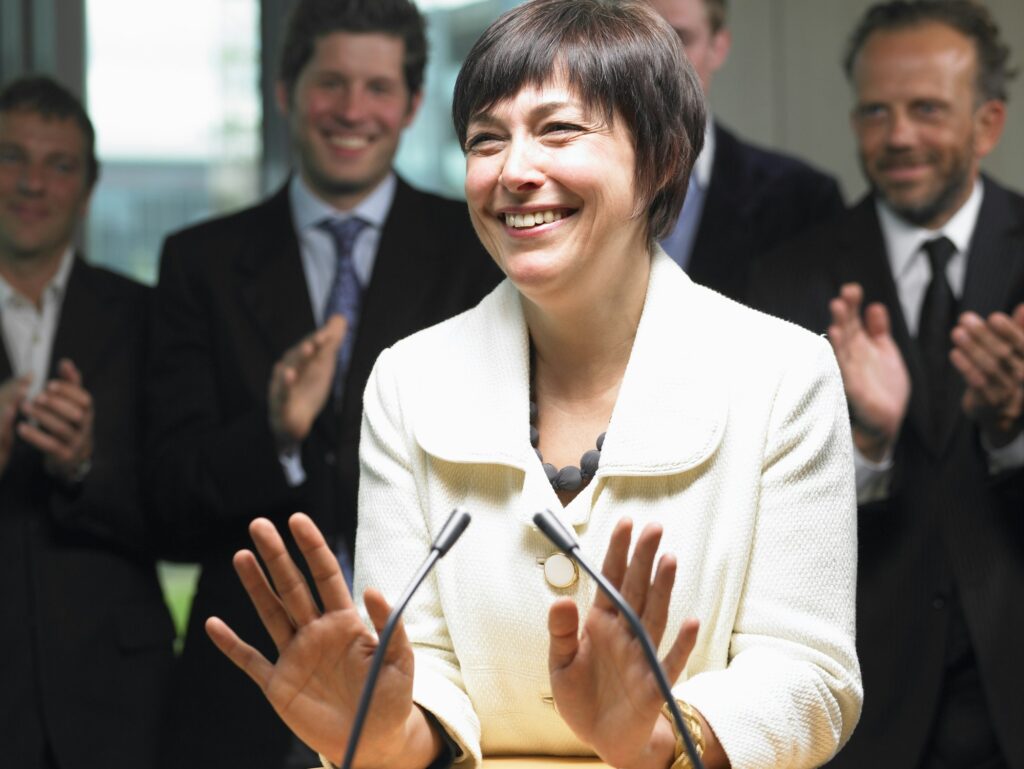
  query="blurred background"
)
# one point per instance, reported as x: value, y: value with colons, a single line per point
x: 182, y: 97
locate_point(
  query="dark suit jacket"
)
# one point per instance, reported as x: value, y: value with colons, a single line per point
x: 232, y: 298
x: 951, y: 536
x: 756, y: 201
x: 86, y: 640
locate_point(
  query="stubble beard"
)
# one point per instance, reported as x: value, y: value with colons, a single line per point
x: 938, y: 205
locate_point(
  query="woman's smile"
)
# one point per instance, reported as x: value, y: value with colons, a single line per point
x: 551, y: 191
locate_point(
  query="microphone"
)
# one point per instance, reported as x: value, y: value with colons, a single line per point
x: 560, y: 537
x: 450, y: 532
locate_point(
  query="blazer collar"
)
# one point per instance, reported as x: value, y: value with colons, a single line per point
x: 669, y: 417
x: 271, y: 281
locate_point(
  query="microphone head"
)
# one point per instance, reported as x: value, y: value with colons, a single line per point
x: 555, y: 531
x: 451, y: 531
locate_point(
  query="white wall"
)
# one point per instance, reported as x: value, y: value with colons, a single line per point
x: 783, y: 85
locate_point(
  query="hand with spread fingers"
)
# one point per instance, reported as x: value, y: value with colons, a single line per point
x: 874, y: 373
x: 989, y: 354
x: 12, y: 393
x: 59, y: 424
x: 301, y: 382
x: 324, y: 657
x: 602, y: 685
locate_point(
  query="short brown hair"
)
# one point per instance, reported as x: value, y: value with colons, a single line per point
x: 967, y: 17
x: 313, y: 19
x: 46, y: 97
x: 621, y: 58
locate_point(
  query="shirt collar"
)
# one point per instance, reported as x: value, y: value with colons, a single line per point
x: 903, y: 239
x: 56, y: 287
x: 706, y: 158
x: 309, y: 211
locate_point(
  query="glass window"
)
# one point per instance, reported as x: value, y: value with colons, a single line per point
x: 177, y: 117
x: 429, y: 156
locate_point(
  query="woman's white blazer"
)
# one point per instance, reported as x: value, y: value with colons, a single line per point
x: 730, y: 430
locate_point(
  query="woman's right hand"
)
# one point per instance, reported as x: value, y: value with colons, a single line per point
x: 323, y: 657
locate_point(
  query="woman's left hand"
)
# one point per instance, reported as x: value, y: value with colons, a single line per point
x: 601, y: 682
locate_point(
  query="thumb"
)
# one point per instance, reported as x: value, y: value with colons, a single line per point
x: 563, y: 629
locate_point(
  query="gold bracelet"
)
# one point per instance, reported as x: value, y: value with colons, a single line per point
x: 680, y: 758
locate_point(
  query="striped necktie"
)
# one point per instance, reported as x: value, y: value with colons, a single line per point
x: 346, y: 294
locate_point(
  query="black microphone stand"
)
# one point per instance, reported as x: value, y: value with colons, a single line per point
x: 553, y: 529
x: 451, y: 531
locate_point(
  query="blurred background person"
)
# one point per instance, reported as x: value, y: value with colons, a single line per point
x: 267, y: 324
x: 85, y: 645
x: 921, y: 289
x: 742, y: 200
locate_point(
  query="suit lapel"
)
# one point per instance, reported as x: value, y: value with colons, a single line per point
x: 718, y: 241
x: 88, y: 318
x: 995, y: 265
x: 404, y: 274
x: 273, y: 284
x: 996, y: 261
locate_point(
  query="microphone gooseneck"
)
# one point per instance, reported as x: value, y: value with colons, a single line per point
x: 554, y: 530
x: 450, y: 532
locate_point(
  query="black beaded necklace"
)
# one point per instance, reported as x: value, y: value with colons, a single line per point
x: 569, y: 478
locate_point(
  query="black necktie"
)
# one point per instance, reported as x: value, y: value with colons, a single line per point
x: 938, y: 314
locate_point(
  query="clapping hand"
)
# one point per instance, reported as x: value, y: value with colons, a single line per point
x: 60, y: 420
x: 301, y: 382
x: 989, y: 354
x: 601, y: 682
x: 12, y: 393
x: 324, y: 656
x: 874, y: 373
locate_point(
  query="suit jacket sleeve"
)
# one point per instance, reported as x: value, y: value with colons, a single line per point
x: 209, y: 470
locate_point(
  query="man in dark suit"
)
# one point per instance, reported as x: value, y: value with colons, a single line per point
x: 742, y: 200
x: 261, y: 350
x: 934, y: 374
x: 86, y: 640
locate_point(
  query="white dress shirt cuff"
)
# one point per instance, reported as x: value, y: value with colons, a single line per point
x: 1009, y: 457
x: 291, y: 463
x: 873, y: 478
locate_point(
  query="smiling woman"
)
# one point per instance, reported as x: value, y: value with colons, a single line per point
x: 721, y: 433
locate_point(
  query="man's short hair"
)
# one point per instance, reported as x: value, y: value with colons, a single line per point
x: 968, y: 17
x: 46, y: 97
x: 622, y: 59
x: 314, y: 19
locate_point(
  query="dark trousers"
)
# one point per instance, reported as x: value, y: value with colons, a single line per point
x: 962, y: 736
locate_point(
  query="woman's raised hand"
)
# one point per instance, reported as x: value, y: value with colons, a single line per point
x: 323, y: 657
x: 602, y: 685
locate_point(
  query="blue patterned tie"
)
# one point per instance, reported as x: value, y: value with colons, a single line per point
x: 346, y: 294
x: 679, y: 243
